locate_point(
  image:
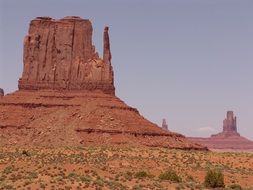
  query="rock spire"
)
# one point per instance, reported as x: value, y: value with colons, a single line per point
x: 164, y: 124
x: 1, y: 92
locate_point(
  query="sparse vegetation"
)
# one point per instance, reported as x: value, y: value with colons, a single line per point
x: 142, y: 174
x: 214, y: 178
x: 235, y: 187
x: 170, y: 175
x: 115, y: 167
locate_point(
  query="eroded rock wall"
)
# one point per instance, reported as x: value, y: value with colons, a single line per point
x: 59, y: 54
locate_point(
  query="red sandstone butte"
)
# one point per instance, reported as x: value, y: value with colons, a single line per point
x: 59, y: 54
x: 228, y: 139
x: 67, y: 97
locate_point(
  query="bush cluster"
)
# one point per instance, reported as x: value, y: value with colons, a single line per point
x: 214, y: 178
x: 170, y: 175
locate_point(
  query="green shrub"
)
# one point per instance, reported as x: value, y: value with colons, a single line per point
x: 128, y: 175
x: 8, y: 169
x: 137, y: 187
x: 170, y: 175
x: 99, y: 182
x: 235, y: 186
x: 25, y: 152
x: 142, y: 174
x: 214, y: 178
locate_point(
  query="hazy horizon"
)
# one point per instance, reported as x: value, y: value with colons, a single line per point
x: 188, y: 61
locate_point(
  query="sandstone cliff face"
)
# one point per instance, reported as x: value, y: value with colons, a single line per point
x: 60, y: 101
x: 58, y: 54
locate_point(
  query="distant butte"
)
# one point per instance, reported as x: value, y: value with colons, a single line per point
x: 229, y: 127
x: 67, y: 96
x: 228, y: 139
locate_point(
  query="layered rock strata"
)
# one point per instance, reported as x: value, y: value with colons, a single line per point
x: 59, y: 54
x: 66, y: 94
x: 50, y: 117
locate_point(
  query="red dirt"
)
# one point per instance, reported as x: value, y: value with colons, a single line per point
x: 46, y: 117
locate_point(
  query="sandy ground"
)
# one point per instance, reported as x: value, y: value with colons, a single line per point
x: 115, y: 167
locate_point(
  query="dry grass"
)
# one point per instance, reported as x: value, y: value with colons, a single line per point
x: 114, y: 167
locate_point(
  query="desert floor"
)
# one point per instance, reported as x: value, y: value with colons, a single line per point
x: 117, y: 167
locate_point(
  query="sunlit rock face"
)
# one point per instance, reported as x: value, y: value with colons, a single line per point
x: 59, y: 54
x: 66, y: 95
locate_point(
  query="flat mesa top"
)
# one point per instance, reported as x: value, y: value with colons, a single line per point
x: 59, y: 54
x: 46, y: 18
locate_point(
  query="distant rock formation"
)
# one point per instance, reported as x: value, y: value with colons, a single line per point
x: 1, y: 92
x: 58, y: 54
x: 229, y: 126
x: 164, y: 125
x: 228, y: 139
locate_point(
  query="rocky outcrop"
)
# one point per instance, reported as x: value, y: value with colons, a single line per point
x: 66, y: 94
x: 164, y: 125
x: 228, y: 139
x: 1, y: 92
x: 58, y: 54
x: 229, y: 126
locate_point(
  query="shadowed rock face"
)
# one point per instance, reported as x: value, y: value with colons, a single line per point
x: 1, y: 92
x: 58, y: 54
x: 164, y: 125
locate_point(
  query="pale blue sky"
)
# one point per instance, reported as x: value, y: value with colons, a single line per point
x: 187, y: 61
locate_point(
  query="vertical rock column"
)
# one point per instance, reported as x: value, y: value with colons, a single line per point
x: 107, y: 51
x: 108, y: 73
x: 229, y: 124
x: 1, y: 92
x: 164, y: 124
